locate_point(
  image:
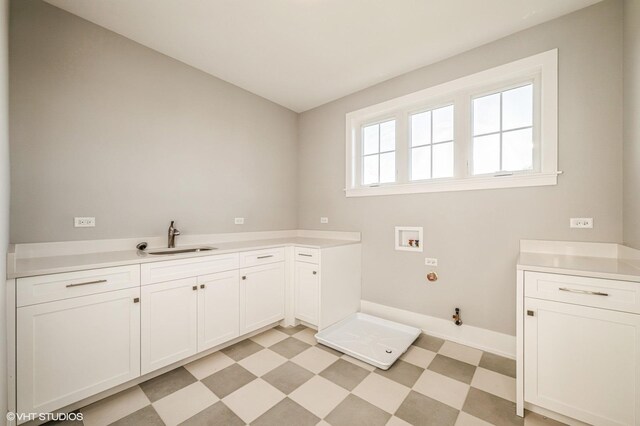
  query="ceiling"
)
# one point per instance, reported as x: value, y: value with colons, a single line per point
x: 304, y: 53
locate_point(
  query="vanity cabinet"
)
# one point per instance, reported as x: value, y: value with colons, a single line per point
x: 169, y: 323
x: 71, y: 349
x: 582, y: 347
x: 261, y: 296
x: 307, y: 292
x: 218, y: 309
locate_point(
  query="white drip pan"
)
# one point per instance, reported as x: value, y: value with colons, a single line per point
x: 374, y: 340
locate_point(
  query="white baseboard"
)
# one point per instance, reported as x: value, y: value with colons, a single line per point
x: 479, y: 338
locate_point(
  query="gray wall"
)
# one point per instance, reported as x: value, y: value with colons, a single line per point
x: 632, y: 123
x: 4, y: 192
x: 475, y: 234
x: 102, y: 126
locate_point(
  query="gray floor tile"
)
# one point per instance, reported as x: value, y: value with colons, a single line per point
x: 491, y: 408
x: 146, y: 416
x: 228, y: 380
x: 167, y: 383
x: 418, y: 409
x: 499, y: 364
x: 345, y: 374
x: 291, y: 330
x: 242, y: 350
x: 452, y: 368
x: 287, y: 413
x: 288, y: 377
x: 354, y: 411
x: 402, y: 372
x: 216, y: 415
x: 290, y: 347
x: 328, y: 349
x: 430, y: 343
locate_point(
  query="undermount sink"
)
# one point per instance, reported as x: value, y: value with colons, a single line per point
x: 181, y: 251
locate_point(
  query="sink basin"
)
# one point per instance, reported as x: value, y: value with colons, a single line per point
x: 182, y: 251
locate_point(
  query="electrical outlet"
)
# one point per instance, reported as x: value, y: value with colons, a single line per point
x: 239, y: 221
x: 430, y: 261
x: 84, y: 222
x: 581, y: 222
x: 324, y: 220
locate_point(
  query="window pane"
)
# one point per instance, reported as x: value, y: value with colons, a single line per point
x: 370, y: 139
x: 421, y: 128
x: 421, y: 163
x: 370, y: 170
x: 517, y: 150
x: 517, y: 107
x: 388, y: 167
x: 443, y: 160
x: 486, y: 114
x: 486, y: 154
x: 388, y: 136
x: 443, y: 124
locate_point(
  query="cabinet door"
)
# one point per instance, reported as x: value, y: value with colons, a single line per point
x: 218, y: 309
x: 583, y: 362
x: 70, y: 349
x: 169, y: 323
x: 261, y: 296
x: 307, y: 292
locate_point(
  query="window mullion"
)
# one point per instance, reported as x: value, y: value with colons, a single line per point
x: 462, y: 138
x: 402, y: 147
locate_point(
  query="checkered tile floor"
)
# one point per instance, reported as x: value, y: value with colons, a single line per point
x: 282, y: 377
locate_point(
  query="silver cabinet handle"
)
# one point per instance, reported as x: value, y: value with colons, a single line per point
x: 264, y: 257
x: 87, y: 283
x: 304, y: 254
x: 574, y: 290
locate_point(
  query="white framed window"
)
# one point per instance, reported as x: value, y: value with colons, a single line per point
x: 493, y: 129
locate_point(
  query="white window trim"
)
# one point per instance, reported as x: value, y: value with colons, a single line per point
x: 543, y: 66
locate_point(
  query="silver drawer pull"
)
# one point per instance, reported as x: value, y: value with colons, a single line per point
x: 304, y: 254
x: 592, y: 293
x: 87, y: 283
x: 264, y: 257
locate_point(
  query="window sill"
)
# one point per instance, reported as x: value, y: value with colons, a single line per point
x: 468, y: 184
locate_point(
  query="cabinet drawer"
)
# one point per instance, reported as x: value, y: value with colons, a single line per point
x: 170, y: 270
x: 47, y: 288
x: 261, y: 257
x: 308, y: 255
x: 600, y: 293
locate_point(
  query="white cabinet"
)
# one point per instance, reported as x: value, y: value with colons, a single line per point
x: 218, y: 309
x: 71, y: 349
x: 169, y: 323
x: 261, y: 296
x: 579, y: 347
x: 307, y: 292
x: 582, y: 362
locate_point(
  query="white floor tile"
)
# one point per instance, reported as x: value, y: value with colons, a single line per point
x: 396, y: 421
x: 307, y: 336
x: 495, y: 383
x: 188, y: 401
x: 442, y: 388
x: 269, y: 337
x: 461, y: 352
x: 418, y: 356
x: 382, y: 392
x: 114, y: 408
x: 204, y: 367
x: 465, y: 419
x: 262, y: 362
x: 319, y: 395
x: 314, y: 359
x: 252, y: 400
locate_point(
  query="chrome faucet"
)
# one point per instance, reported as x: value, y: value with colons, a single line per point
x: 172, y: 235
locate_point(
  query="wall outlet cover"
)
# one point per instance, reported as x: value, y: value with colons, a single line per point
x: 430, y: 261
x: 581, y: 222
x: 239, y: 221
x: 324, y: 220
x: 84, y: 222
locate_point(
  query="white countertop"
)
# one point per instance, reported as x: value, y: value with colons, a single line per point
x: 31, y: 266
x: 599, y: 260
